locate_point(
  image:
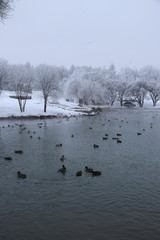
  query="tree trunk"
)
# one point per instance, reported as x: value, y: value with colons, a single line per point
x: 154, y: 103
x: 20, y: 104
x: 45, y: 104
x: 24, y: 104
x: 112, y: 103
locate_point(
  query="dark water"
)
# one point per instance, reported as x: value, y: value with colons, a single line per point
x: 122, y: 203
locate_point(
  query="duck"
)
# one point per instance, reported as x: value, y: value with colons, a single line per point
x: 90, y: 170
x: 119, y: 134
x: 139, y: 133
x: 79, y: 173
x: 95, y: 146
x: 8, y: 158
x: 105, y: 138
x: 18, y: 151
x: 21, y: 175
x: 62, y: 158
x: 96, y: 173
x: 119, y: 141
x: 62, y: 169
x: 59, y: 145
x: 115, y: 138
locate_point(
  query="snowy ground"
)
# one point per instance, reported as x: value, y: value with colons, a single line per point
x: 9, y: 107
x: 34, y: 107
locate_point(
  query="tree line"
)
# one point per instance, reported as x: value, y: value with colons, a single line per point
x: 88, y: 85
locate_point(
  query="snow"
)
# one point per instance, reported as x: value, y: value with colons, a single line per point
x: 34, y: 108
x: 9, y: 107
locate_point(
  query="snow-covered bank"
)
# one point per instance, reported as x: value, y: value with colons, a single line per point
x: 9, y: 107
x: 34, y: 108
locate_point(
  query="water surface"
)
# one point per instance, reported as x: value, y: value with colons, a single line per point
x: 122, y: 203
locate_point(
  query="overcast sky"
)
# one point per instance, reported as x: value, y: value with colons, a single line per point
x: 83, y: 32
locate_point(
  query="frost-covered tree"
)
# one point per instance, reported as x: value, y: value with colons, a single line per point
x: 154, y: 92
x: 85, y: 85
x: 47, y: 81
x: 127, y: 76
x: 5, y: 7
x: 72, y: 90
x: 21, y: 77
x: 151, y: 76
x: 110, y: 84
x: 137, y: 92
x: 3, y: 73
x: 112, y: 92
x: 61, y: 75
x: 74, y: 83
x: 121, y: 90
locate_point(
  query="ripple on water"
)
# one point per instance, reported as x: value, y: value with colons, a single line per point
x: 122, y: 203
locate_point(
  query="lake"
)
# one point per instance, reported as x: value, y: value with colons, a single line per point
x: 122, y: 203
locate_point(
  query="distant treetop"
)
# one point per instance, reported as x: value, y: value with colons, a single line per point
x: 5, y: 7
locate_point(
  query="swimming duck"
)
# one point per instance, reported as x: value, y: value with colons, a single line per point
x: 21, y: 175
x: 79, y: 173
x: 18, y: 151
x: 62, y: 158
x: 59, y: 145
x: 115, y: 138
x: 95, y: 146
x: 7, y: 158
x: 62, y: 169
x: 90, y: 170
x: 139, y: 133
x: 96, y: 173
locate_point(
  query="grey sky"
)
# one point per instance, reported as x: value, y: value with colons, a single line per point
x: 83, y: 32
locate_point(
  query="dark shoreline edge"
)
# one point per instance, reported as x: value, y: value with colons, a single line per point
x: 41, y: 117
x: 30, y: 117
x: 94, y: 111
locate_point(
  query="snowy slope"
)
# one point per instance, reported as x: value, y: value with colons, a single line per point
x: 34, y: 107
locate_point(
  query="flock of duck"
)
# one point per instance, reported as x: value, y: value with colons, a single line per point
x: 19, y: 151
x: 63, y: 168
x: 79, y: 173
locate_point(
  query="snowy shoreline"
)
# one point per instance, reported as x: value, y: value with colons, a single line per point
x: 9, y: 108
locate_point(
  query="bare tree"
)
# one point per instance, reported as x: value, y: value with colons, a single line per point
x: 21, y: 80
x: 121, y: 90
x: 137, y: 92
x: 47, y: 81
x: 5, y: 7
x: 154, y: 92
x: 3, y: 73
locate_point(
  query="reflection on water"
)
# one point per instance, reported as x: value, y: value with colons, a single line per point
x: 122, y: 203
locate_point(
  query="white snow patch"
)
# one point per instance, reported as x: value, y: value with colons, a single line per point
x: 34, y: 107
